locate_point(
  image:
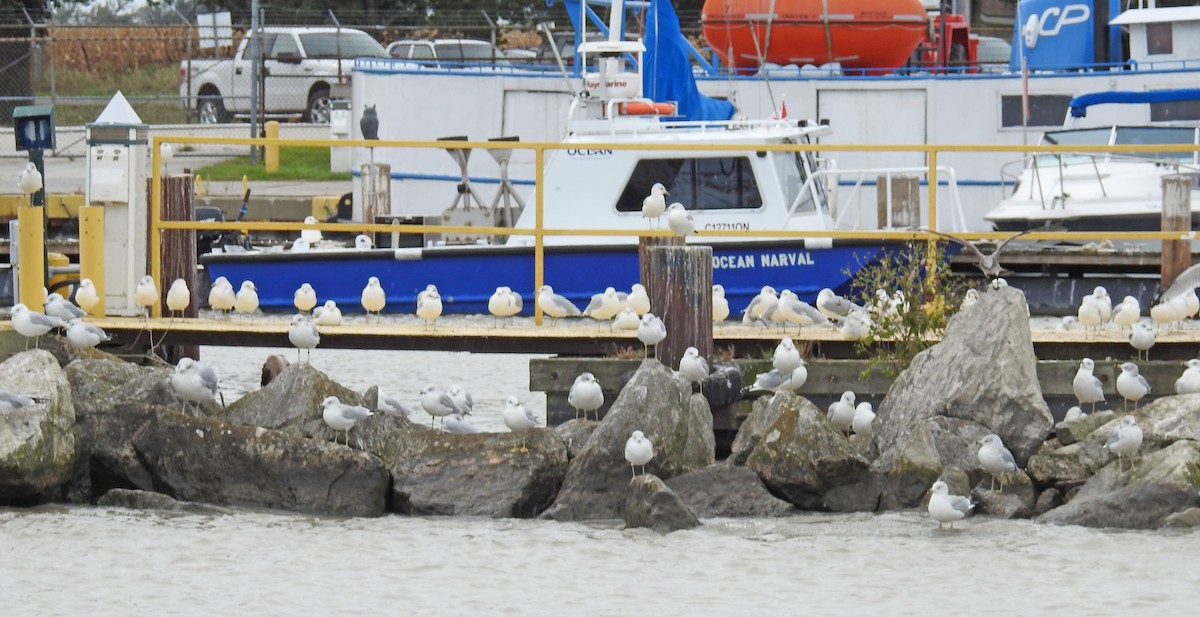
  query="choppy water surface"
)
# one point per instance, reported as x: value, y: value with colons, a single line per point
x: 99, y: 561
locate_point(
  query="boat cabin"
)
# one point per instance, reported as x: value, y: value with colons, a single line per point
x: 1162, y: 36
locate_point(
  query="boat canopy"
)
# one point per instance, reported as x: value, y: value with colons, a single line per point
x: 668, y: 69
x: 1080, y: 103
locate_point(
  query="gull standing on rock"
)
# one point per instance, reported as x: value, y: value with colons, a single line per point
x: 436, y: 403
x: 146, y: 294
x: 195, y: 382
x: 1124, y: 439
x: 864, y: 420
x: 463, y: 403
x: 86, y: 295
x: 638, y: 451
x: 1189, y: 381
x: 1086, y: 385
x: 520, y: 421
x: 60, y: 307
x: 1131, y: 385
x: 680, y: 220
x: 651, y: 332
x: 304, y: 335
x: 304, y: 298
x: 995, y: 458
x: 456, y: 424
x: 246, y: 300
x: 947, y: 508
x: 429, y: 305
x: 655, y: 203
x: 342, y: 417
x: 81, y: 335
x: 554, y: 305
x: 694, y: 367
x: 638, y: 299
x: 327, y: 314
x: 720, y: 306
x: 373, y: 298
x: 786, y: 357
x: 969, y: 299
x: 777, y: 381
x: 1141, y: 338
x: 179, y: 297
x: 32, y: 324
x: 586, y: 395
x: 841, y: 412
x: 221, y: 296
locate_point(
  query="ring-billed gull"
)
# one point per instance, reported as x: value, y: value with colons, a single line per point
x: 300, y: 245
x: 11, y: 401
x: 304, y: 298
x: 1131, y: 385
x: 1103, y: 302
x: 327, y: 314
x: 83, y: 335
x: 504, y: 304
x: 777, y: 381
x: 1169, y: 311
x: 680, y: 220
x: 786, y: 357
x: 1127, y: 312
x: 638, y: 451
x: 947, y: 508
x: 864, y: 420
x: 457, y: 424
x: 586, y: 395
x: 654, y: 204
x: 1089, y: 314
x: 988, y: 263
x: 995, y: 458
x: 554, y: 305
x: 638, y: 299
x: 60, y: 307
x: 86, y: 295
x: 1141, y: 338
x: 604, y: 306
x: 146, y: 294
x: 720, y: 306
x: 834, y: 306
x: 29, y: 180
x: 694, y: 367
x: 793, y: 310
x: 520, y: 421
x: 389, y: 405
x: 841, y: 412
x: 195, y: 382
x: 857, y: 325
x: 429, y: 306
x: 342, y: 417
x: 627, y: 320
x: 463, y: 403
x: 651, y: 331
x: 1189, y: 381
x: 1125, y: 439
x: 304, y: 335
x: 1086, y: 385
x: 969, y: 299
x: 373, y: 298
x: 363, y: 242
x: 310, y: 236
x: 221, y: 296
x: 761, y: 305
x: 436, y: 403
x: 246, y: 300
x: 32, y: 324
x: 178, y: 297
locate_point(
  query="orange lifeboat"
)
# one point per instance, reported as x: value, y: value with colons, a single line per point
x: 858, y: 34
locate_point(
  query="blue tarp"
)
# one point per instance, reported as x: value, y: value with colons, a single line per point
x: 1080, y: 103
x: 668, y: 71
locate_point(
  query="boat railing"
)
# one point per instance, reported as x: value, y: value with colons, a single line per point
x: 1049, y: 187
x: 833, y: 180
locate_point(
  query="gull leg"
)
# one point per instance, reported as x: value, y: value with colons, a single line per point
x: 633, y: 470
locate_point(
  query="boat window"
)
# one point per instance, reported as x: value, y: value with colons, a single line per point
x: 1175, y: 111
x: 1159, y: 39
x: 1044, y: 110
x: 1158, y: 135
x: 792, y: 174
x: 714, y: 183
x: 1080, y: 137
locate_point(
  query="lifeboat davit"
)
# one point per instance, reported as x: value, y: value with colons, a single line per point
x: 858, y: 34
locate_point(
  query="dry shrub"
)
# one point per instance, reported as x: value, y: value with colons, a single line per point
x: 116, y: 49
x: 520, y: 39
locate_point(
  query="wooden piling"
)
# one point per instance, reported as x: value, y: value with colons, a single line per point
x: 178, y: 253
x: 900, y: 195
x: 678, y: 279
x: 1176, y: 216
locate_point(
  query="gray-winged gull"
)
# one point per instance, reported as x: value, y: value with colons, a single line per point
x: 638, y: 451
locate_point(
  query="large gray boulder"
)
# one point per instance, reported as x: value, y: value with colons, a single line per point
x: 750, y: 433
x: 728, y: 491
x: 982, y: 375
x: 102, y: 384
x: 651, y: 504
x: 292, y: 403
x: 1161, y: 484
x: 37, y: 442
x: 805, y: 460
x: 658, y: 402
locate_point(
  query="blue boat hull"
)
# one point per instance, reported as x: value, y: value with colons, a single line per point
x: 467, y: 276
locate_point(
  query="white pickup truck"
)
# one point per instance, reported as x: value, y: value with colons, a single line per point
x: 301, y: 67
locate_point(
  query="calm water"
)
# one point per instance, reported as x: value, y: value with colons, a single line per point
x: 97, y: 561
x: 100, y: 561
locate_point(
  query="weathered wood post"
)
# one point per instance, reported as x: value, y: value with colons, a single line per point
x: 178, y: 253
x: 678, y: 279
x: 900, y: 195
x: 1176, y: 216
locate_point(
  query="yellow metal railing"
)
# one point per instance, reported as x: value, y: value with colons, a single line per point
x: 539, y: 232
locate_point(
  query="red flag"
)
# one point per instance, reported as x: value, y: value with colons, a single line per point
x: 782, y: 110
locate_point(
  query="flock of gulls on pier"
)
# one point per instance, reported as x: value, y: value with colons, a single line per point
x: 197, y: 382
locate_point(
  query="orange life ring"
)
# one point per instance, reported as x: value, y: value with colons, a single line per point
x: 648, y: 109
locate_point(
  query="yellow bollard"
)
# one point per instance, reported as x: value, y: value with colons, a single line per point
x: 245, y: 183
x: 91, y: 251
x: 271, y: 156
x: 31, y: 271
x: 199, y: 185
x: 58, y: 260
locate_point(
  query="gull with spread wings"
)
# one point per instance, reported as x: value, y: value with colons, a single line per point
x: 988, y: 263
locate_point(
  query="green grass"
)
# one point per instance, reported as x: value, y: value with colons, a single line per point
x: 295, y: 163
x: 160, y: 81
